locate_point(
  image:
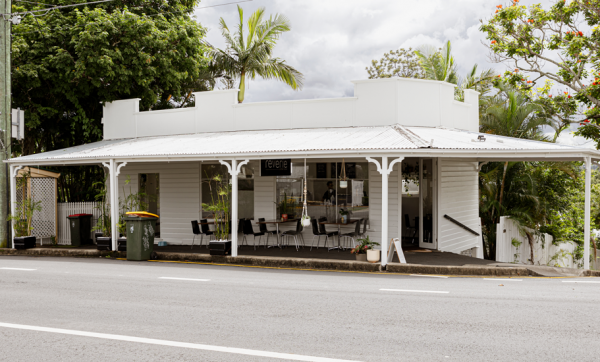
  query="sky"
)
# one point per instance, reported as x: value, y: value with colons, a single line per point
x: 332, y: 41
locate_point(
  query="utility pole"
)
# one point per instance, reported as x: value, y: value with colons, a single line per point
x: 5, y: 119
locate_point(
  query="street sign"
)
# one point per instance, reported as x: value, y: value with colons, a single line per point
x: 18, y: 123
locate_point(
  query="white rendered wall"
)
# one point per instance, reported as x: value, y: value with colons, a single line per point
x: 376, y: 102
x: 458, y: 197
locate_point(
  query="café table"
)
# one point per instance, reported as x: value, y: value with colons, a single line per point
x: 339, y: 224
x: 276, y: 222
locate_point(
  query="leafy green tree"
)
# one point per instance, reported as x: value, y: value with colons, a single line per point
x: 401, y: 63
x: 559, y: 44
x: 249, y: 54
x: 67, y: 62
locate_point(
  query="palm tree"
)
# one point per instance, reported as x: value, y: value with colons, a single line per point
x: 513, y: 114
x: 249, y: 53
x: 438, y: 64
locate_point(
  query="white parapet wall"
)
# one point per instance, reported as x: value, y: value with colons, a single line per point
x: 376, y: 102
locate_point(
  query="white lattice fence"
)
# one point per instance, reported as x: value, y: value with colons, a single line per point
x: 44, y: 222
x: 69, y: 208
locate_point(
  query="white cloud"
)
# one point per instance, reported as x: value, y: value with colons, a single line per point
x: 332, y: 41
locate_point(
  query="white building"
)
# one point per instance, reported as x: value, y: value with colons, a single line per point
x: 389, y: 124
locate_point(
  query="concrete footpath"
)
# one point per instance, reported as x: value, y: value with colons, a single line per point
x: 493, y: 269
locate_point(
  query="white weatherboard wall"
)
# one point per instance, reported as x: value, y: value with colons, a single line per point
x: 377, y: 102
x: 180, y: 202
x: 264, y: 195
x: 458, y: 197
x: 375, y: 193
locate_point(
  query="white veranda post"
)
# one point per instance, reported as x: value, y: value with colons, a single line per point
x: 234, y: 170
x: 13, y: 197
x: 113, y: 179
x: 384, y: 169
x: 586, y: 228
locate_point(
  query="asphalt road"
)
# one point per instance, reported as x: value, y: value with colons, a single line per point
x: 89, y: 310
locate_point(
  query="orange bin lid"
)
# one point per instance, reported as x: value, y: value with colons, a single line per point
x: 141, y: 214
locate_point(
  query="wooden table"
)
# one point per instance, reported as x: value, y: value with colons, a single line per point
x: 276, y: 222
x: 339, y: 224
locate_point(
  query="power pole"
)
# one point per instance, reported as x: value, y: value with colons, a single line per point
x: 5, y: 119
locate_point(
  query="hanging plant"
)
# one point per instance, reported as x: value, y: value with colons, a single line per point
x: 410, y: 174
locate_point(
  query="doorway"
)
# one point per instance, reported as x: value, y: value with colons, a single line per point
x: 418, y: 195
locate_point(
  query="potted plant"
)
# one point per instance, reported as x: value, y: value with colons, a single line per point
x: 345, y: 213
x: 23, y: 238
x: 220, y: 191
x: 287, y: 207
x: 361, y: 250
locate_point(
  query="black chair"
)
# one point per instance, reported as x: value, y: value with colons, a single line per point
x: 324, y: 231
x: 296, y: 234
x: 364, y: 230
x: 413, y: 228
x: 427, y: 228
x: 205, y: 230
x: 263, y: 229
x: 354, y: 234
x: 240, y: 230
x: 318, y: 233
x: 248, y: 230
x: 196, y: 231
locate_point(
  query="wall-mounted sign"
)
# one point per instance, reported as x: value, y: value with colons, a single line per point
x: 281, y: 167
x: 321, y: 170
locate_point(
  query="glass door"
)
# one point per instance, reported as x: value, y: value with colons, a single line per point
x: 427, y: 237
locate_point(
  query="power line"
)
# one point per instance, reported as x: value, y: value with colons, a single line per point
x: 56, y: 7
x: 202, y: 7
x: 31, y: 2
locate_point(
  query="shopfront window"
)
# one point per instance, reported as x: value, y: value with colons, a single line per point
x: 325, y: 194
x: 245, y: 188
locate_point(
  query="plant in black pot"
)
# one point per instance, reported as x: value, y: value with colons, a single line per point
x: 24, y: 216
x: 220, y: 190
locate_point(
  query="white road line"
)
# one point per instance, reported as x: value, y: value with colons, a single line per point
x: 413, y: 291
x: 426, y: 275
x: 16, y: 269
x: 581, y: 281
x: 504, y: 280
x: 194, y: 280
x: 242, y: 351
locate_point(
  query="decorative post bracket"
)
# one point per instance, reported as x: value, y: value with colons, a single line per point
x: 235, y: 172
x: 16, y: 170
x: 119, y: 168
x: 388, y: 169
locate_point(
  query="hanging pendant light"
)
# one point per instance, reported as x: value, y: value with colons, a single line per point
x: 343, y: 181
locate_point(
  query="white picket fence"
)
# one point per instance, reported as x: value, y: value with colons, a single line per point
x: 512, y: 247
x: 69, y: 208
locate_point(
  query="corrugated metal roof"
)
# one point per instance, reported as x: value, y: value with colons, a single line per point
x: 394, y: 137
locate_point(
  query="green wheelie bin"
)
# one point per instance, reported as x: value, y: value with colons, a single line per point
x: 140, y: 236
x: 81, y: 229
